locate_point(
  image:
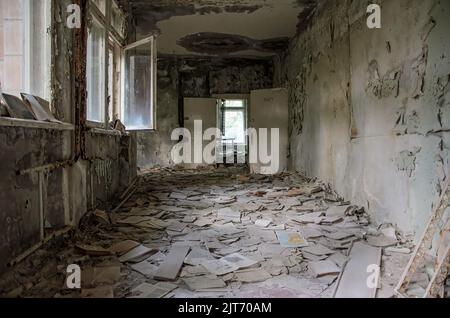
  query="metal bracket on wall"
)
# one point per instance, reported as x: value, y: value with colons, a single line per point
x: 421, y: 250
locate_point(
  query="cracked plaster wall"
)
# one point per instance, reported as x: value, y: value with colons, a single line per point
x: 370, y: 109
x: 68, y: 192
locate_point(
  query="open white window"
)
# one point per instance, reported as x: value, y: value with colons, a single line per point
x: 139, y: 86
x: 121, y: 79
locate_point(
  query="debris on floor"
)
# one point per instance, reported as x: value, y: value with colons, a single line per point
x: 212, y: 233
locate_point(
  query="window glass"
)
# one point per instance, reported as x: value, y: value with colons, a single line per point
x: 117, y: 19
x: 234, y: 126
x: 24, y: 47
x: 101, y: 5
x: 139, y: 84
x: 95, y: 70
x: 234, y: 103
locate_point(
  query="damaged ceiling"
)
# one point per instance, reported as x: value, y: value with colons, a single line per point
x: 207, y: 27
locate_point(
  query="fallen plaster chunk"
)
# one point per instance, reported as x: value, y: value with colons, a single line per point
x: 93, y: 250
x: 219, y: 267
x: 398, y: 250
x: 123, y: 247
x: 176, y: 226
x: 158, y: 290
x: 381, y: 241
x: 198, y: 255
x: 323, y: 268
x: 318, y: 249
x: 145, y: 268
x: 253, y: 276
x: 137, y: 255
x: 339, y: 259
x: 171, y: 266
x: 264, y: 223
x: 204, y: 282
x: 229, y: 214
x: 239, y: 260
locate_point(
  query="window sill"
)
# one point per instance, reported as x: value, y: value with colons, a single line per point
x: 142, y: 130
x: 24, y: 123
x: 108, y: 132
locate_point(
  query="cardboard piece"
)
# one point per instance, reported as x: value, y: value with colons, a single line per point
x: 204, y: 282
x: 263, y: 222
x: 17, y: 108
x: 40, y: 108
x: 123, y: 247
x: 318, y: 249
x: 239, y: 260
x: 171, y: 266
x: 145, y: 268
x: 353, y: 280
x: 229, y: 214
x: 93, y: 250
x: 253, y: 276
x: 219, y: 267
x: 137, y: 254
x: 323, y: 268
x: 291, y: 239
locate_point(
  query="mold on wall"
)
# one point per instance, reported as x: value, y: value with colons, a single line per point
x: 24, y: 148
x: 369, y: 108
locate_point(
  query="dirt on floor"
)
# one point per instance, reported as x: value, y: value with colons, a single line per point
x: 211, y: 233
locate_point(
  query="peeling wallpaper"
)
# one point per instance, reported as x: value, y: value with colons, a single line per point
x: 370, y: 109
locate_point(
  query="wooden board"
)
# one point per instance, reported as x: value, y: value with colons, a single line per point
x: 353, y: 280
x: 171, y: 266
x: 16, y: 108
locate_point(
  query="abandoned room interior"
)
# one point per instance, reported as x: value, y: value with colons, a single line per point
x: 224, y: 149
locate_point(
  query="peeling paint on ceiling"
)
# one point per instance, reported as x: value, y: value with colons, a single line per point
x: 217, y: 28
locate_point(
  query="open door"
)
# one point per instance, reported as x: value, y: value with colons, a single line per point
x: 269, y: 109
x: 139, y: 85
x: 204, y: 110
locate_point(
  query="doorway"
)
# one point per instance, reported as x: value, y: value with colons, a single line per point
x: 232, y: 121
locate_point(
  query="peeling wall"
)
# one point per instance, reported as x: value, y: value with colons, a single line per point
x: 24, y: 148
x: 65, y: 191
x: 180, y: 77
x: 370, y: 109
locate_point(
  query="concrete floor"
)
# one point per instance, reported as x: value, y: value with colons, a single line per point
x: 185, y: 207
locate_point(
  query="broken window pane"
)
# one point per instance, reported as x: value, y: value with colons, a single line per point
x: 96, y: 73
x: 139, y: 70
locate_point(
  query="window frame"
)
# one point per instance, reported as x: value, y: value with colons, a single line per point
x: 112, y: 37
x: 28, y: 74
x: 222, y: 110
x: 153, y: 60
